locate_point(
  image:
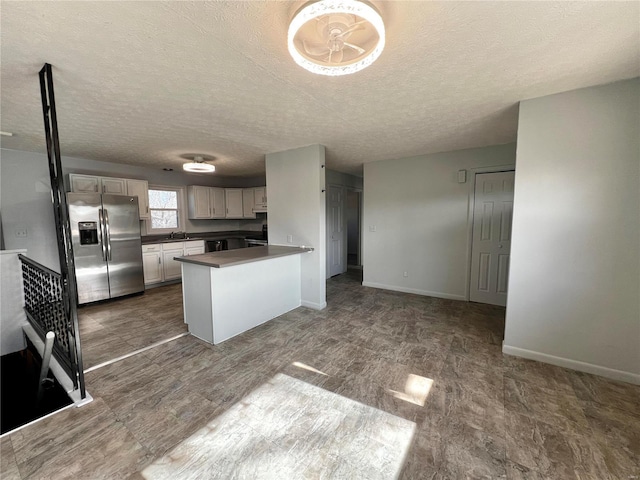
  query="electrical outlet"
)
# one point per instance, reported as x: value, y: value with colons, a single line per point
x: 405, y: 274
x: 290, y: 238
x: 21, y: 232
x: 372, y: 228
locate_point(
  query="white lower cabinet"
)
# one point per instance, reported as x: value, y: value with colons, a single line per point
x: 193, y: 248
x: 152, y: 263
x: 158, y: 259
x: 171, y: 269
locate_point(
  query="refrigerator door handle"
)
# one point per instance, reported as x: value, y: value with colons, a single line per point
x: 108, y: 234
x: 103, y: 240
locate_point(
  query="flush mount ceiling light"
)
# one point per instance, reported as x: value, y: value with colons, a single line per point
x: 198, y: 165
x: 336, y: 37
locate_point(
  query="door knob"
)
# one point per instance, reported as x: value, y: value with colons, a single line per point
x: 499, y: 246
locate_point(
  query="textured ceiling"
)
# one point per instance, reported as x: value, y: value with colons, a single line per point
x: 144, y: 82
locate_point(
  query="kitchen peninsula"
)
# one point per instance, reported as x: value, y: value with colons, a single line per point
x: 229, y: 292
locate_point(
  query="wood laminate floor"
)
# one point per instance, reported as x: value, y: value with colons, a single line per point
x: 115, y: 328
x: 378, y: 385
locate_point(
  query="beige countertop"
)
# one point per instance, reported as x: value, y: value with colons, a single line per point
x: 229, y: 258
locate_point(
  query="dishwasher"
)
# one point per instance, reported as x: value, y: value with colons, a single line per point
x: 216, y: 245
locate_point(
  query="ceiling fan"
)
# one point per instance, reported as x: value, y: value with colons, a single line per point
x: 198, y: 164
x: 333, y: 32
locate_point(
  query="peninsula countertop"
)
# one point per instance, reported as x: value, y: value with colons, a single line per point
x: 229, y: 258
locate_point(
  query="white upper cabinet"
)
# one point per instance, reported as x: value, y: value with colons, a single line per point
x: 214, y: 202
x: 233, y: 198
x: 199, y: 205
x: 247, y: 203
x: 217, y: 198
x: 140, y: 189
x: 260, y: 199
x: 113, y: 186
x: 84, y: 183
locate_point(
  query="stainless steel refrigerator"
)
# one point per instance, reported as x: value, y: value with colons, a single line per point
x: 107, y: 251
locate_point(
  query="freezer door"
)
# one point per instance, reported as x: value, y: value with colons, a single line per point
x: 124, y: 249
x: 88, y: 247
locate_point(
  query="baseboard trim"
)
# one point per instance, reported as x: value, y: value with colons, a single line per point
x: 315, y: 306
x: 415, y: 291
x: 573, y: 364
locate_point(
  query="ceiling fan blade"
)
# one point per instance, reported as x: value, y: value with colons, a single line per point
x: 314, y: 49
x: 337, y: 56
x: 355, y: 47
x: 352, y: 28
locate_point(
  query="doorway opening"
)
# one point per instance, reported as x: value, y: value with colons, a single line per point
x: 354, y: 215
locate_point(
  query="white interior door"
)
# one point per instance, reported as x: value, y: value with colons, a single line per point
x: 335, y: 231
x: 492, y: 214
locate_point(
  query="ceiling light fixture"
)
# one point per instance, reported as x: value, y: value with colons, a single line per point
x: 198, y: 166
x: 336, y: 37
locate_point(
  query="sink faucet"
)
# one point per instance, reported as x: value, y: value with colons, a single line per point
x: 172, y: 235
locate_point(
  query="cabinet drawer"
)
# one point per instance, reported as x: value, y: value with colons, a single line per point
x: 194, y: 243
x: 151, y: 248
x: 172, y: 246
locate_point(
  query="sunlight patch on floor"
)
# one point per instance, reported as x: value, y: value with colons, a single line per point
x: 287, y: 428
x: 416, y: 390
x: 309, y: 368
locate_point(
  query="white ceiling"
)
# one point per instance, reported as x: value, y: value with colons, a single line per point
x: 143, y: 82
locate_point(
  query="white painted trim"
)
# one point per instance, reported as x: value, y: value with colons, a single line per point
x: 61, y: 375
x: 471, y: 183
x: 315, y: 306
x: 573, y: 364
x: 182, y: 211
x: 415, y: 291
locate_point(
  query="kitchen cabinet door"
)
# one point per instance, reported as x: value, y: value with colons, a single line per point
x: 198, y: 202
x: 233, y: 197
x: 260, y: 199
x: 84, y: 183
x: 247, y: 203
x: 140, y: 189
x: 260, y: 196
x: 171, y: 269
x: 217, y: 198
x: 152, y: 266
x: 113, y: 186
x: 195, y: 247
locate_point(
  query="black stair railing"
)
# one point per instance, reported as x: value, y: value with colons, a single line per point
x: 39, y: 279
x: 44, y: 306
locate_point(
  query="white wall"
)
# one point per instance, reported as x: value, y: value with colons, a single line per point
x: 343, y: 179
x: 295, y: 180
x: 574, y: 285
x: 25, y: 193
x: 420, y: 214
x: 25, y: 197
x: 12, y: 315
